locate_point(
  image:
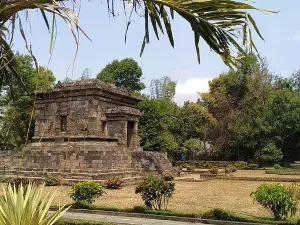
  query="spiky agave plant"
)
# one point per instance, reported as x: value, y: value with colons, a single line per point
x: 27, y: 207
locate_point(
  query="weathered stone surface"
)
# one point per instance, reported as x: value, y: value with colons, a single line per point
x: 86, y: 125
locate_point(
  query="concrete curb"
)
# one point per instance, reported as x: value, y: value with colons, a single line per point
x: 161, y: 217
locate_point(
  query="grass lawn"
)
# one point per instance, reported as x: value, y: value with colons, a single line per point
x: 191, y: 197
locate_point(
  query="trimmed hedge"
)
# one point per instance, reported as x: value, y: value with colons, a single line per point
x: 215, y: 214
x: 221, y: 214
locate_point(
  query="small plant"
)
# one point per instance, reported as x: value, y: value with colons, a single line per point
x: 230, y: 169
x: 155, y: 192
x: 252, y: 166
x: 277, y: 166
x: 53, y: 181
x: 239, y: 165
x: 139, y: 209
x: 86, y: 191
x: 214, y: 170
x: 168, y: 176
x: 293, y: 166
x: 277, y: 198
x: 114, y: 183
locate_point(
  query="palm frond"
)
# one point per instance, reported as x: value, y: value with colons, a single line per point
x: 220, y: 23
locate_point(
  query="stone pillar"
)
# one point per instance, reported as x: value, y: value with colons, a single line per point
x: 124, y: 132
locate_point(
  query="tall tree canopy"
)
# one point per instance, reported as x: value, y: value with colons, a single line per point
x: 18, y: 103
x: 125, y: 73
x: 163, y: 88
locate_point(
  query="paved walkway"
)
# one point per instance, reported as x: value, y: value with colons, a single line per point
x: 122, y: 219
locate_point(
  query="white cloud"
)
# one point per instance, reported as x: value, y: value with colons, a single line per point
x: 295, y: 37
x: 189, y: 89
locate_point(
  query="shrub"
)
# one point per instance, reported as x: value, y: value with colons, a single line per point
x: 53, y: 181
x: 168, y: 176
x: 293, y: 166
x: 230, y: 169
x: 155, y: 192
x: 220, y: 214
x: 214, y: 170
x: 139, y: 209
x: 277, y: 166
x: 114, y: 183
x: 252, y: 166
x: 277, y: 198
x: 86, y: 191
x: 239, y: 165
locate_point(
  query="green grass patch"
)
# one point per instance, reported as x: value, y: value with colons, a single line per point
x: 220, y: 214
x: 284, y: 171
x: 215, y: 214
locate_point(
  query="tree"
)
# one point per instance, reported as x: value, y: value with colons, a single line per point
x: 18, y: 103
x: 216, y: 22
x: 271, y: 154
x: 163, y: 88
x: 191, y: 147
x: 125, y: 73
x: 237, y: 100
x: 158, y: 115
x: 86, y: 74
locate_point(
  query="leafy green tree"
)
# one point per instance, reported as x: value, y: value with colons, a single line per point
x: 163, y: 88
x: 125, y: 73
x: 192, y: 147
x: 271, y: 154
x: 237, y: 100
x: 158, y: 115
x: 283, y: 118
x: 19, y: 102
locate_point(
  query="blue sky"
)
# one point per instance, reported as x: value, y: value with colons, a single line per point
x: 281, y: 46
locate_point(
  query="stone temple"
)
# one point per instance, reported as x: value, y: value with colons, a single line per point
x: 88, y: 130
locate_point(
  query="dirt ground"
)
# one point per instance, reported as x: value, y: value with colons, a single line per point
x: 189, y: 197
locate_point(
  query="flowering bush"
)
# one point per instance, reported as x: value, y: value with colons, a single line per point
x: 114, y: 183
x: 53, y: 181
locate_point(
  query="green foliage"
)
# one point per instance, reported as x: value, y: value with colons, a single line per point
x: 214, y: 170
x: 125, y: 73
x: 155, y: 192
x: 139, y: 209
x: 27, y: 207
x: 271, y: 154
x: 155, y: 125
x: 192, y: 147
x: 230, y: 169
x: 18, y: 104
x: 276, y: 198
x: 293, y: 166
x: 53, y: 181
x: 163, y: 88
x: 114, y: 183
x: 168, y: 176
x: 277, y: 166
x: 86, y: 191
x: 252, y: 166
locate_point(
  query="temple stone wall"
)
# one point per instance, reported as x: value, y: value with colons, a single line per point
x: 86, y: 125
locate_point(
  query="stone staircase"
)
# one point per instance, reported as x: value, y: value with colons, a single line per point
x: 72, y: 176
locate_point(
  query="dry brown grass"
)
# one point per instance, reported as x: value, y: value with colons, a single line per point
x: 189, y: 197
